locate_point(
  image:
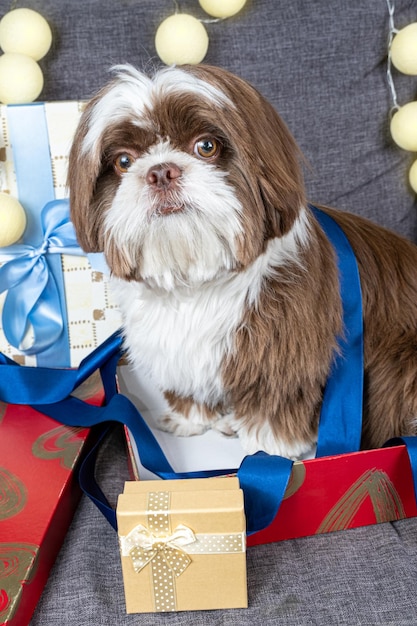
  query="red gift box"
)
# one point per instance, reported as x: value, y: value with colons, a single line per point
x: 38, y: 495
x: 341, y: 492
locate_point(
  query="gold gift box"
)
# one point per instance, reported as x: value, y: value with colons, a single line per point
x: 183, y: 545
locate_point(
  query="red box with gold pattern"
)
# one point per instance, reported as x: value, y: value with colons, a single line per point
x: 341, y: 492
x: 38, y: 494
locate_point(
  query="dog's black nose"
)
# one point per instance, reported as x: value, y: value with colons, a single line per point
x: 163, y: 175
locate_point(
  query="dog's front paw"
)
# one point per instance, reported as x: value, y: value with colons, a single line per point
x: 179, y: 425
x: 226, y: 425
x: 262, y: 438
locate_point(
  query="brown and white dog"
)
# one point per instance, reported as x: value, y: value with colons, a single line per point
x: 191, y: 185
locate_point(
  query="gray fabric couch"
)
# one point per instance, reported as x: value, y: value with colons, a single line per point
x: 323, y: 65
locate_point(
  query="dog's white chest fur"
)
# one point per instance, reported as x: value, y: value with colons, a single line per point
x: 181, y: 338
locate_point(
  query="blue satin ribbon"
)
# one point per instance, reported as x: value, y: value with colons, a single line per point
x: 33, y: 295
x: 28, y: 131
x: 411, y: 445
x: 263, y: 477
x: 342, y: 406
x: 49, y: 386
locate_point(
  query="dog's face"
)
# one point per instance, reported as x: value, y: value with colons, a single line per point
x: 183, y: 177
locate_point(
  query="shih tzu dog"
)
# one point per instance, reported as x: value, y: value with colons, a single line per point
x: 191, y: 185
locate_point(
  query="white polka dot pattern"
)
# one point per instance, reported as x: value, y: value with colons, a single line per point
x: 217, y: 544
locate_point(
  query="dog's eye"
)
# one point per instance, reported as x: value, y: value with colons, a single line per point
x: 122, y: 162
x: 206, y: 148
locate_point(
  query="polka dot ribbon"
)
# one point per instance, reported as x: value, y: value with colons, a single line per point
x: 168, y: 553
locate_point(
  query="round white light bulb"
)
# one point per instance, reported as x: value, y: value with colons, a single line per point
x: 181, y: 39
x: 12, y: 220
x: 404, y: 127
x: 21, y: 79
x: 404, y: 50
x: 222, y: 8
x: 25, y: 31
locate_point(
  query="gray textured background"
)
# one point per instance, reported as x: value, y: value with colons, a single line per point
x: 323, y: 66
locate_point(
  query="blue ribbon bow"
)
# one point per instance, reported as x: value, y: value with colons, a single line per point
x: 33, y: 297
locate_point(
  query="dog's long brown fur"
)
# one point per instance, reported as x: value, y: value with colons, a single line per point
x: 388, y: 270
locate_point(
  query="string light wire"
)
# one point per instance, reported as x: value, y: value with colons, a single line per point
x: 392, y: 32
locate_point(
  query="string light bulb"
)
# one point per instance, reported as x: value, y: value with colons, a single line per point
x: 12, y: 220
x: 412, y: 176
x: 404, y: 50
x: 21, y: 78
x: 181, y: 38
x: 26, y: 32
x: 222, y: 8
x: 404, y: 127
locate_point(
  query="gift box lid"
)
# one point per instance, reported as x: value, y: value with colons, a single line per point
x: 191, y: 484
x: 209, y: 504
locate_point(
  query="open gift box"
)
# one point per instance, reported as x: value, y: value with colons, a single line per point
x: 282, y: 499
x: 325, y: 494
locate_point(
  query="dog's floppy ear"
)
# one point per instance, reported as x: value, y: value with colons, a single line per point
x: 266, y: 147
x: 280, y: 179
x: 83, y: 170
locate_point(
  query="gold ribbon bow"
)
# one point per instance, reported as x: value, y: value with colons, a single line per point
x: 143, y: 547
